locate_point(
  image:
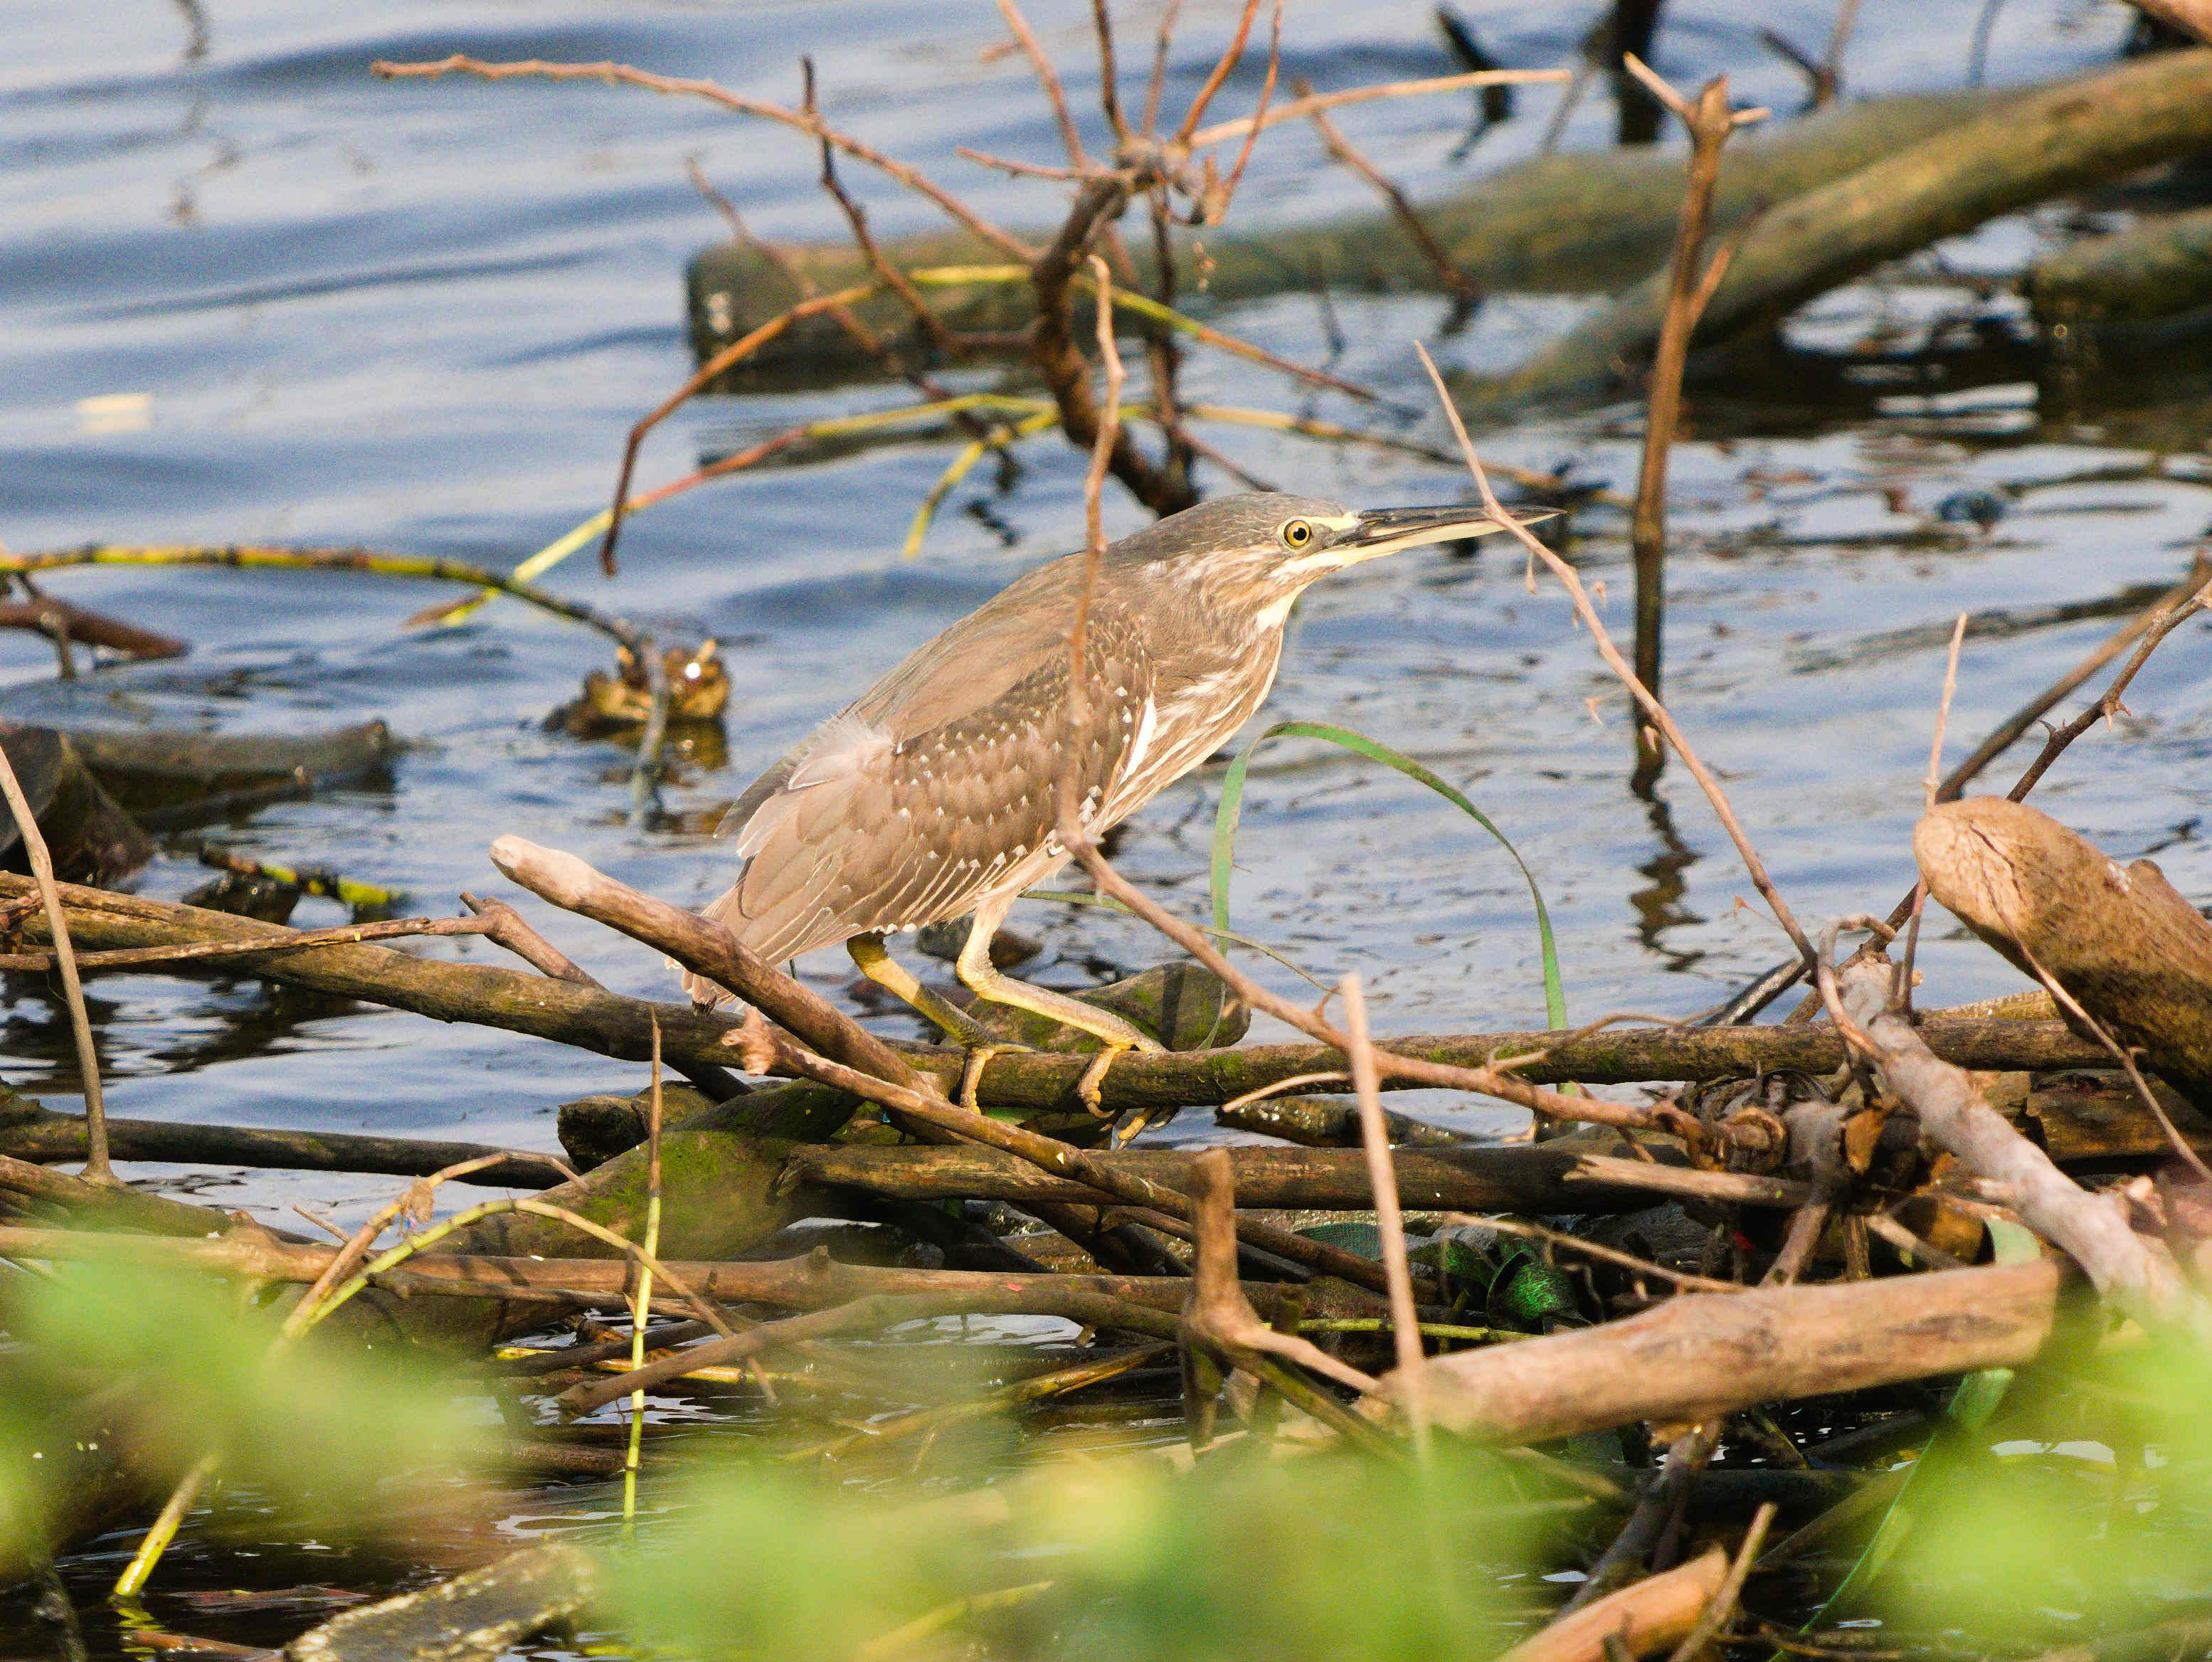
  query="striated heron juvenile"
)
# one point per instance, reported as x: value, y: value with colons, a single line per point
x: 935, y: 794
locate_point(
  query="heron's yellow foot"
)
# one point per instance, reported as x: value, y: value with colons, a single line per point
x: 971, y: 1072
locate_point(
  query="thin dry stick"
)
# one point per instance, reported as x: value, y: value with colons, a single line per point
x: 1629, y: 1261
x: 343, y: 935
x: 1928, y: 787
x: 1934, y: 781
x: 1653, y: 708
x: 1216, y: 204
x: 2125, y: 1057
x: 1401, y: 206
x: 1724, y: 1602
x: 1305, y: 106
x: 1389, y: 1221
x: 1109, y: 77
x: 625, y: 75
x: 1710, y: 123
x: 889, y: 275
x: 642, y: 1305
x: 736, y: 353
x: 1048, y: 78
x: 1094, y: 548
x: 1157, y: 83
x: 96, y: 1168
x: 1186, y: 135
x: 2108, y: 707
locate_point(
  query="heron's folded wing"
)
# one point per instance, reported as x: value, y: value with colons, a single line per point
x: 868, y: 832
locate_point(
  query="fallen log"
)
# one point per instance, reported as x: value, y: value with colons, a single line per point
x: 2122, y: 941
x: 2135, y: 284
x: 1580, y: 224
x: 1700, y: 1357
x: 1617, y: 1056
x: 2055, y: 139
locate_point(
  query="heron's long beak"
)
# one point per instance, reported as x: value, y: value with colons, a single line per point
x: 1386, y: 530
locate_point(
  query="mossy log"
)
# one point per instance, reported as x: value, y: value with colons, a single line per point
x: 1580, y: 224
x: 2035, y: 146
x: 1507, y: 1178
x: 2122, y: 940
x: 723, y: 1191
x: 2130, y: 297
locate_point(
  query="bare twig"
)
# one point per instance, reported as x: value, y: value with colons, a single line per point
x: 343, y: 935
x: 1048, y: 78
x: 2109, y: 707
x: 509, y: 928
x: 1305, y: 106
x: 1389, y: 1221
x: 729, y: 355
x: 1710, y: 122
x: 1722, y: 1603
x: 96, y: 1167
x: 1455, y: 277
x: 1186, y: 134
x: 1214, y: 206
x: 1653, y: 709
x: 625, y: 75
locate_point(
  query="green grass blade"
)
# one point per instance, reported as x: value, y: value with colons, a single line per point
x: 1231, y: 809
x: 1971, y: 1407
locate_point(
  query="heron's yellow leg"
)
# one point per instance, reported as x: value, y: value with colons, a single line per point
x: 895, y: 978
x: 977, y: 972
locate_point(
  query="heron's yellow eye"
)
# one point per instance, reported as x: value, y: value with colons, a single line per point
x: 1296, y: 534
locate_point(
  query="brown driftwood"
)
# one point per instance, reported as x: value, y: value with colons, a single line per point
x: 1656, y: 1614
x: 2055, y: 139
x: 1696, y: 1357
x: 2134, y: 1271
x: 2122, y: 941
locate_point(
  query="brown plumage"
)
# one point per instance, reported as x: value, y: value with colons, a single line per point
x: 936, y: 790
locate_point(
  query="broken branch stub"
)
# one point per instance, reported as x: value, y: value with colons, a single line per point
x: 2121, y: 939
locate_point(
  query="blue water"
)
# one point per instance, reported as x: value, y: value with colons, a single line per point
x: 420, y: 316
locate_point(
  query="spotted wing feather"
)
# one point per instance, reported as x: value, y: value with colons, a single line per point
x: 878, y: 823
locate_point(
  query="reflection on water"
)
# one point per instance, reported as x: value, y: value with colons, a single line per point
x: 421, y: 317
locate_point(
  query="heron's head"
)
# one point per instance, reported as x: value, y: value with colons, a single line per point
x: 1253, y: 554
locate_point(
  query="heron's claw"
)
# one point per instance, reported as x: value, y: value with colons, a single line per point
x: 1087, y: 1085
x: 971, y: 1069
